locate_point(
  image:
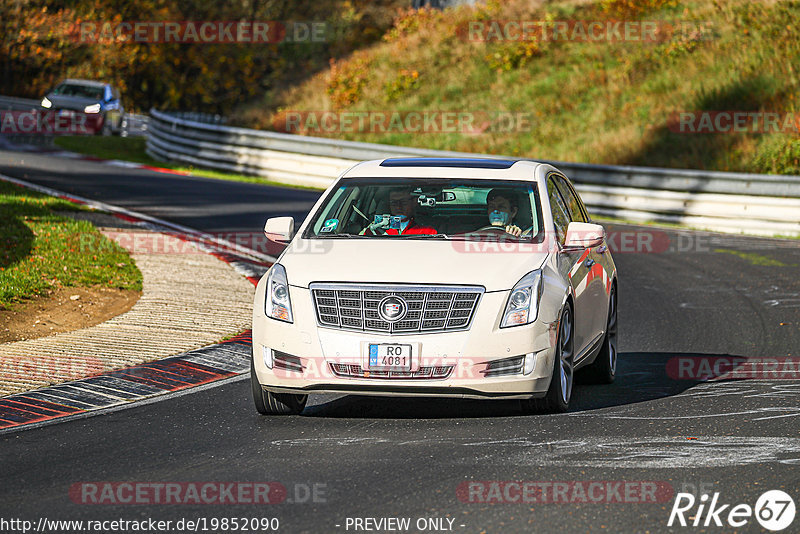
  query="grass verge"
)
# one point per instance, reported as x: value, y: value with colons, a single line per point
x: 133, y: 149
x: 752, y: 258
x: 41, y: 249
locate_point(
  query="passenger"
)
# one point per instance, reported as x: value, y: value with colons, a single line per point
x: 403, y: 204
x: 502, y: 206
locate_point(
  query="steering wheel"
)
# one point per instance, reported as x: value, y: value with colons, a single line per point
x: 491, y: 227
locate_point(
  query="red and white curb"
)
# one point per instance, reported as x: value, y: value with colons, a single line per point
x: 212, y: 365
x: 67, y: 154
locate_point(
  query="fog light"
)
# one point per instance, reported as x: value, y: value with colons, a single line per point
x: 267, y: 357
x: 530, y: 363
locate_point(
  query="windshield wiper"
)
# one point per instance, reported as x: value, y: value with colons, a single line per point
x: 329, y: 236
x: 423, y: 236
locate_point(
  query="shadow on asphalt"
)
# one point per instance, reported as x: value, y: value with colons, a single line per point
x: 641, y: 377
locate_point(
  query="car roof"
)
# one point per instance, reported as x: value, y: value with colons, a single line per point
x: 77, y: 81
x: 483, y: 168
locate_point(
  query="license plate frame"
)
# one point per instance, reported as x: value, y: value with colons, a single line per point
x: 382, y: 357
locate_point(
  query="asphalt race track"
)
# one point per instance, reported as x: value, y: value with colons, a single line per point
x: 697, y: 299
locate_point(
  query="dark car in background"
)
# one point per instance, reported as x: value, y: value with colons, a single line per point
x: 98, y: 100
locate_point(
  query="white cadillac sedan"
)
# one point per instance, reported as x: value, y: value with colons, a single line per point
x: 476, y: 278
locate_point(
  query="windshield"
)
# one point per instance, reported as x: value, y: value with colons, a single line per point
x: 82, y: 91
x: 423, y: 208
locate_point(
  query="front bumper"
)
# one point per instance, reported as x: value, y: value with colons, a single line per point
x: 315, y: 352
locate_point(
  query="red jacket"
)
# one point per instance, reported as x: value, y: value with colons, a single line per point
x: 411, y: 229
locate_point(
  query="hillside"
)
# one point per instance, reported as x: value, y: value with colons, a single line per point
x: 44, y: 41
x: 605, y: 101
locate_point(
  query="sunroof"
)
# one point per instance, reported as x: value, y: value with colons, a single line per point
x: 470, y: 163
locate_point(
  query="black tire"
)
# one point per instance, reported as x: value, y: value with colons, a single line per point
x: 603, y: 370
x: 268, y: 403
x: 563, y: 378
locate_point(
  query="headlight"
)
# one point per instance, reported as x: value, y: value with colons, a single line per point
x: 46, y: 103
x: 94, y: 108
x: 277, y: 304
x: 523, y: 302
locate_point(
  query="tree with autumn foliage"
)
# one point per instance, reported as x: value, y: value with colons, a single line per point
x: 41, y: 44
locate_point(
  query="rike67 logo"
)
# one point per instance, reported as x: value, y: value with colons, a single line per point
x: 774, y: 510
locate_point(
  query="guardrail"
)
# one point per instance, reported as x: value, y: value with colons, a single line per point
x: 730, y: 202
x: 12, y: 103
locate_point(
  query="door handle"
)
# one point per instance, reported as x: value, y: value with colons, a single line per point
x: 589, y: 262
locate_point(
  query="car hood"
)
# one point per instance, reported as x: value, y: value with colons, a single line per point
x: 71, y: 102
x: 495, y: 266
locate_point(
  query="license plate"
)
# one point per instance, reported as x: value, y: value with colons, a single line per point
x: 389, y: 356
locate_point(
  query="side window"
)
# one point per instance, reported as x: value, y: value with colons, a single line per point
x: 560, y: 217
x: 585, y: 212
x: 573, y: 203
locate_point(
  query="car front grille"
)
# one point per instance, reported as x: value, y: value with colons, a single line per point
x: 429, y: 308
x: 356, y: 371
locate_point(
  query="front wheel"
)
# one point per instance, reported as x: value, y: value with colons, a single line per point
x: 560, y: 391
x: 268, y: 403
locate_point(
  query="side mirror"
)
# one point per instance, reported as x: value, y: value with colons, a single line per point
x: 584, y: 235
x: 279, y: 229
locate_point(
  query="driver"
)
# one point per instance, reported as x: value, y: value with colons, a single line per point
x: 401, y: 203
x: 502, y: 206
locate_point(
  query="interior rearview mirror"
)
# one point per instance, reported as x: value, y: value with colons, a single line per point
x: 279, y: 229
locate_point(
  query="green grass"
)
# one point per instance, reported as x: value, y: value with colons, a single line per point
x: 41, y: 249
x: 753, y: 258
x: 133, y: 149
x: 122, y: 148
x: 593, y: 102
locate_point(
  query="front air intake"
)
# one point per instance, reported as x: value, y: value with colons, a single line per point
x: 505, y: 367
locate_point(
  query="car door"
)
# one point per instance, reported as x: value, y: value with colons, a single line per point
x: 597, y: 279
x: 571, y: 264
